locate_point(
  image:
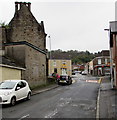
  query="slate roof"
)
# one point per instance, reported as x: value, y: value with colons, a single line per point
x: 9, y: 62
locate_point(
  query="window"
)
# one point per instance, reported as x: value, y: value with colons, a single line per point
x: 55, y: 70
x: 54, y: 63
x: 106, y: 61
x: 99, y: 61
x: 63, y: 62
x: 21, y: 84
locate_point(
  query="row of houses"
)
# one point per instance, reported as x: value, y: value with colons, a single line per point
x: 23, y: 53
x: 107, y: 63
x: 99, y: 66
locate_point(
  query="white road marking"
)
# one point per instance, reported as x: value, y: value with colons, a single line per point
x: 94, y: 81
x: 25, y: 116
x: 50, y: 115
x: 64, y: 101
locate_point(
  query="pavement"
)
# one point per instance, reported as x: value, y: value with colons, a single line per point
x: 47, y: 88
x: 107, y: 100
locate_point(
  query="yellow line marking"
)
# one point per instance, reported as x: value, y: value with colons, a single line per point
x: 100, y: 80
x: 73, y: 81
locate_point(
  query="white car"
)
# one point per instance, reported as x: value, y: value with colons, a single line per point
x: 84, y: 72
x: 14, y: 90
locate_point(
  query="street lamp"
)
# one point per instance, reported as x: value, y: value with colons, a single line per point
x: 50, y: 45
x: 111, y: 65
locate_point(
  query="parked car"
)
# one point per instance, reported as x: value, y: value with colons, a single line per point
x: 14, y: 90
x: 65, y: 79
x: 74, y: 75
x: 84, y: 73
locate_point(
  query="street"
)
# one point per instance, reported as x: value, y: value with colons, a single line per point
x: 67, y: 101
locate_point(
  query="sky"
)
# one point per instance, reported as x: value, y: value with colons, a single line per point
x: 71, y: 24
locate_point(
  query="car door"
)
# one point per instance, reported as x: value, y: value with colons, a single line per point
x: 20, y: 92
x: 24, y: 89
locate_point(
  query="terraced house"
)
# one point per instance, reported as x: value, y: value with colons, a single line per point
x: 100, y: 65
x: 60, y: 66
x: 25, y: 42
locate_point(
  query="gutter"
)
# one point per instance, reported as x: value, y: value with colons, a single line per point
x: 3, y: 65
x: 28, y: 44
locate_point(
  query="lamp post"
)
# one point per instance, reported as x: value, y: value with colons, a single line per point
x: 111, y: 63
x: 50, y: 45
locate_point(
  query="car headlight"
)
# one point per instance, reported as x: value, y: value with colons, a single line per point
x: 7, y: 93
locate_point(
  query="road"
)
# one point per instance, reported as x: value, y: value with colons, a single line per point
x: 67, y: 101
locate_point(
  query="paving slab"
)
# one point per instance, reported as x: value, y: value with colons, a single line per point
x: 107, y: 100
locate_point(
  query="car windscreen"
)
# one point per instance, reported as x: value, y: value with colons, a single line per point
x: 7, y: 85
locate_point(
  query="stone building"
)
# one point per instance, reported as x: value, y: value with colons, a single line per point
x: 25, y: 42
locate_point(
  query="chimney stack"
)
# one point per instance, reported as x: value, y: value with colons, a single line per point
x: 29, y: 6
x: 18, y: 5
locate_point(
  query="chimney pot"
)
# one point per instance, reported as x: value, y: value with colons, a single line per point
x: 16, y: 6
x: 29, y: 5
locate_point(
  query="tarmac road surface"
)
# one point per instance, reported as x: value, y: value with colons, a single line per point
x: 66, y: 101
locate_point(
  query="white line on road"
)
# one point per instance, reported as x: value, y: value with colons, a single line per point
x: 95, y: 81
x: 25, y: 116
x: 52, y: 114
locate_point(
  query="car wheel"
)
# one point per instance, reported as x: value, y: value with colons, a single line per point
x: 68, y: 83
x: 29, y: 96
x: 58, y: 83
x: 13, y: 101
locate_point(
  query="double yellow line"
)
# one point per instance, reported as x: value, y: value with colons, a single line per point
x: 100, y: 80
x: 73, y: 81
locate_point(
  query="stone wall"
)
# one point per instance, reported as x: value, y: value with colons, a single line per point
x: 24, y: 27
x: 24, y: 30
x: 16, y: 52
x: 2, y: 40
x: 35, y: 67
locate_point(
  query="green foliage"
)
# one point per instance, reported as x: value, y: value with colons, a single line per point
x: 3, y: 24
x: 77, y: 57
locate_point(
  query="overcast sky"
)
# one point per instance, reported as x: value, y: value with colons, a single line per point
x: 72, y: 24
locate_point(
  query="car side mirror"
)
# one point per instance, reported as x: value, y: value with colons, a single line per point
x: 17, y: 88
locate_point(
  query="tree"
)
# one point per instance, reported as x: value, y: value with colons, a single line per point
x: 77, y: 57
